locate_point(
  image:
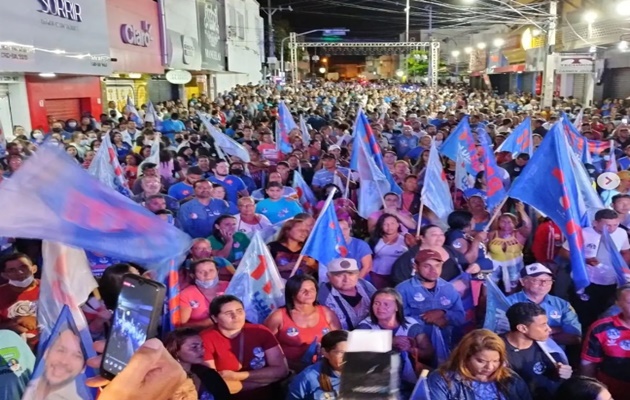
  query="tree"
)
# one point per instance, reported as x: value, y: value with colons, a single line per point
x: 418, y: 63
x: 282, y: 28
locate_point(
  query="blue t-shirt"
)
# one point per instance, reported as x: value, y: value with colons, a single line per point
x: 278, y: 210
x: 357, y: 249
x: 305, y: 386
x: 17, y: 363
x: 197, y: 219
x: 232, y: 184
x: 180, y: 191
x: 403, y: 144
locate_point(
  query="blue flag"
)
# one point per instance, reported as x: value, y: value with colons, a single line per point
x: 364, y: 137
x: 326, y: 242
x: 495, y: 192
x: 611, y: 166
x: 421, y: 390
x: 442, y: 351
x: 67, y: 345
x: 374, y: 183
x: 225, y: 143
x: 461, y: 140
x: 578, y: 143
x: 496, y: 301
x: 436, y: 194
x: 152, y: 116
x: 520, y: 140
x: 284, y: 126
x: 67, y: 205
x: 107, y: 169
x: 557, y: 196
x: 608, y: 254
x: 305, y: 194
x: 311, y: 352
x: 132, y: 112
x: 257, y: 282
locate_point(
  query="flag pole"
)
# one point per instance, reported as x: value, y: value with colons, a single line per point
x: 347, y: 192
x: 420, y: 219
x: 321, y: 213
x: 494, y: 216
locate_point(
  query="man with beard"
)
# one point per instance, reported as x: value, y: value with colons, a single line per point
x: 184, y: 190
x: 63, y: 362
x: 233, y: 185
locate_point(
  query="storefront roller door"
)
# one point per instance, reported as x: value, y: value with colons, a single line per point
x: 579, y: 85
x: 619, y: 84
x: 63, y: 109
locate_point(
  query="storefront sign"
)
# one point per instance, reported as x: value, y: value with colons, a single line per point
x: 134, y: 36
x: 211, y: 35
x: 576, y: 64
x: 178, y: 77
x: 62, y: 8
x: 138, y: 37
x: 182, y: 36
x: 61, y: 36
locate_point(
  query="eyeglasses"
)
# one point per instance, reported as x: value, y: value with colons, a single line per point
x: 541, y: 282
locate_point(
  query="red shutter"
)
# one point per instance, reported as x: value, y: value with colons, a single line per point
x: 63, y: 109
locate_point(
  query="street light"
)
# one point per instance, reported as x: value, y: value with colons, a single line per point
x: 455, y: 53
x: 623, y: 45
x: 322, y: 70
x: 498, y: 42
x: 468, y: 50
x: 315, y: 58
x: 481, y: 46
x: 590, y: 16
x: 400, y: 73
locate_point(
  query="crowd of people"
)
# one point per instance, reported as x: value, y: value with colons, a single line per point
x: 406, y: 270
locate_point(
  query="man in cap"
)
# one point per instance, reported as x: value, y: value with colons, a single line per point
x: 430, y: 298
x: 331, y: 173
x: 345, y: 293
x: 537, y: 281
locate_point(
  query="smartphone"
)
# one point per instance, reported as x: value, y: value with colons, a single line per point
x: 135, y: 320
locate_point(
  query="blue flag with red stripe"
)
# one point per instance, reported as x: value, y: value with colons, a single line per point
x: 461, y: 140
x: 65, y: 204
x: 132, y: 113
x: 556, y: 195
x: 363, y: 135
x: 284, y: 126
x: 326, y: 242
x: 520, y: 140
x: 495, y: 192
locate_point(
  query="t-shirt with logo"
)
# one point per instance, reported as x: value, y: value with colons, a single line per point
x: 607, y: 344
x: 16, y: 303
x: 252, y: 343
x: 278, y: 210
x: 232, y: 185
x: 535, y: 368
x: 180, y: 191
x: 16, y: 365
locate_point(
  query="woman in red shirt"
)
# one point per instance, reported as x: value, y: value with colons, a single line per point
x: 302, y: 321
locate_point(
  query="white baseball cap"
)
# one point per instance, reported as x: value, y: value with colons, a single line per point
x: 343, y: 265
x: 535, y: 269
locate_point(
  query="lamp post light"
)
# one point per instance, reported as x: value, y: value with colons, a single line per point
x: 455, y: 54
x: 623, y: 8
x: 481, y: 46
x: 498, y: 42
x: 468, y: 50
x: 322, y: 70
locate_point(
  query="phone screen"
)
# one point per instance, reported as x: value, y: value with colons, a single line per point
x: 132, y: 321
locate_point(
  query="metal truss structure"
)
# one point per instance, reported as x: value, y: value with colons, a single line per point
x: 367, y: 48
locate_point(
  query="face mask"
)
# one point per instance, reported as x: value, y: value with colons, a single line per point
x: 56, y: 130
x: 438, y: 143
x: 207, y: 284
x: 22, y: 284
x: 179, y: 140
x: 38, y: 136
x: 72, y: 124
x: 84, y: 142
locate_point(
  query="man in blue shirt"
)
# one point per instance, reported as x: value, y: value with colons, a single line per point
x: 331, y: 174
x: 172, y: 126
x: 233, y: 185
x: 197, y: 216
x: 184, y: 190
x: 405, y: 142
x: 562, y: 318
x: 430, y: 298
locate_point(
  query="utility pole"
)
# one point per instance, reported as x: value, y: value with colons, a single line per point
x: 407, y: 12
x: 550, y: 60
x: 270, y: 11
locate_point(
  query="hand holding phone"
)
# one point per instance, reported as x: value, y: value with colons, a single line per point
x: 135, y: 321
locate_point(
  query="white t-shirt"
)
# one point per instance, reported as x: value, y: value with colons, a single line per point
x: 386, y: 254
x: 249, y: 229
x: 601, y: 274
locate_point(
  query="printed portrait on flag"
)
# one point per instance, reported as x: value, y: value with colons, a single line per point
x: 60, y: 373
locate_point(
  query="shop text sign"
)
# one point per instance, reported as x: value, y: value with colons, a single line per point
x: 141, y: 36
x: 63, y: 9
